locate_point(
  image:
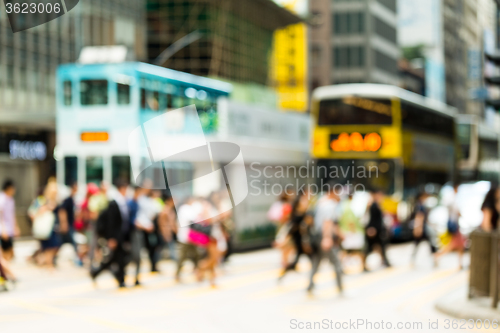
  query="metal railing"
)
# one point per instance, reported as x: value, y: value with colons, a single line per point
x: 484, y: 266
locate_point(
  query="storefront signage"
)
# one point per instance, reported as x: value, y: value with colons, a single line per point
x: 27, y: 150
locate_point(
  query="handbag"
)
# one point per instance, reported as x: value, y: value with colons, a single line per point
x: 205, y: 229
x: 198, y: 238
x: 43, y: 225
x: 199, y: 233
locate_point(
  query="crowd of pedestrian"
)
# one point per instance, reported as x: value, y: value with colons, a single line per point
x: 110, y: 229
x: 326, y: 226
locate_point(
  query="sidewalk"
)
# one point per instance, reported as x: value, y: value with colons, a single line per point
x: 456, y: 304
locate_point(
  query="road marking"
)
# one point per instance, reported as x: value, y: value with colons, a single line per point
x: 234, y: 283
x: 441, y: 289
x: 368, y: 279
x: 324, y: 277
x: 410, y: 286
x: 52, y: 310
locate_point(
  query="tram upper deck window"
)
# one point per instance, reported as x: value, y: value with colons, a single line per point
x: 150, y: 100
x: 68, y: 93
x: 94, y: 92
x: 170, y: 101
x: 353, y: 110
x: 123, y: 93
x: 94, y: 169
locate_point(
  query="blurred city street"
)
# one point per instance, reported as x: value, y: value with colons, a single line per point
x: 307, y: 165
x: 247, y: 298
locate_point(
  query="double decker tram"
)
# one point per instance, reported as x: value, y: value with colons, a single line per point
x: 98, y: 105
x: 382, y: 137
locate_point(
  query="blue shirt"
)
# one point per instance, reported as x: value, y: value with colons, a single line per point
x: 133, y: 208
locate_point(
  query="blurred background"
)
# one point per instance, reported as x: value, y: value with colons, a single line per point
x: 409, y: 88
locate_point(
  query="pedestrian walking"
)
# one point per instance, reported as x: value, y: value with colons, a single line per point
x: 97, y: 203
x: 8, y: 223
x: 325, y: 237
x: 300, y: 208
x: 147, y: 223
x: 223, y: 204
x: 279, y: 213
x: 135, y: 233
x: 46, y: 225
x: 67, y: 212
x: 375, y: 232
x: 353, y: 236
x: 84, y: 222
x: 167, y: 225
x: 187, y: 214
x: 116, y: 231
x: 457, y: 242
x: 421, y: 229
x: 6, y: 274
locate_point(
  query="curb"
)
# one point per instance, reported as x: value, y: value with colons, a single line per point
x: 456, y: 304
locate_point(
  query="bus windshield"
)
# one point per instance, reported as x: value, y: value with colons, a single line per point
x: 353, y: 110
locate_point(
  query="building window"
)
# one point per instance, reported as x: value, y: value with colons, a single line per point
x: 94, y: 169
x: 94, y: 92
x: 67, y: 93
x: 356, y: 23
x: 70, y: 170
x: 386, y: 63
x: 120, y: 169
x: 123, y: 93
x: 357, y: 56
x: 389, y: 4
x: 349, y: 23
x: 386, y: 31
x: 349, y: 57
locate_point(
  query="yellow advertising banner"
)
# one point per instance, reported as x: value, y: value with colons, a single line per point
x: 289, y: 65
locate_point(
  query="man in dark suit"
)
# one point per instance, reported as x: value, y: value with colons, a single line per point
x: 116, y: 229
x: 375, y: 232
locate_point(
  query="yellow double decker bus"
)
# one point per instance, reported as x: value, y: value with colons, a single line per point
x: 382, y: 137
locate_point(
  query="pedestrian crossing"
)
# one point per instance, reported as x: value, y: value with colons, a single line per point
x: 241, y: 277
x: 249, y: 280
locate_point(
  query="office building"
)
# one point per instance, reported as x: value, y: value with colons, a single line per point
x: 354, y: 42
x: 232, y: 39
x: 28, y: 62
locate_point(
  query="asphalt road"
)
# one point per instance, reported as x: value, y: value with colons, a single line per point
x: 248, y: 297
